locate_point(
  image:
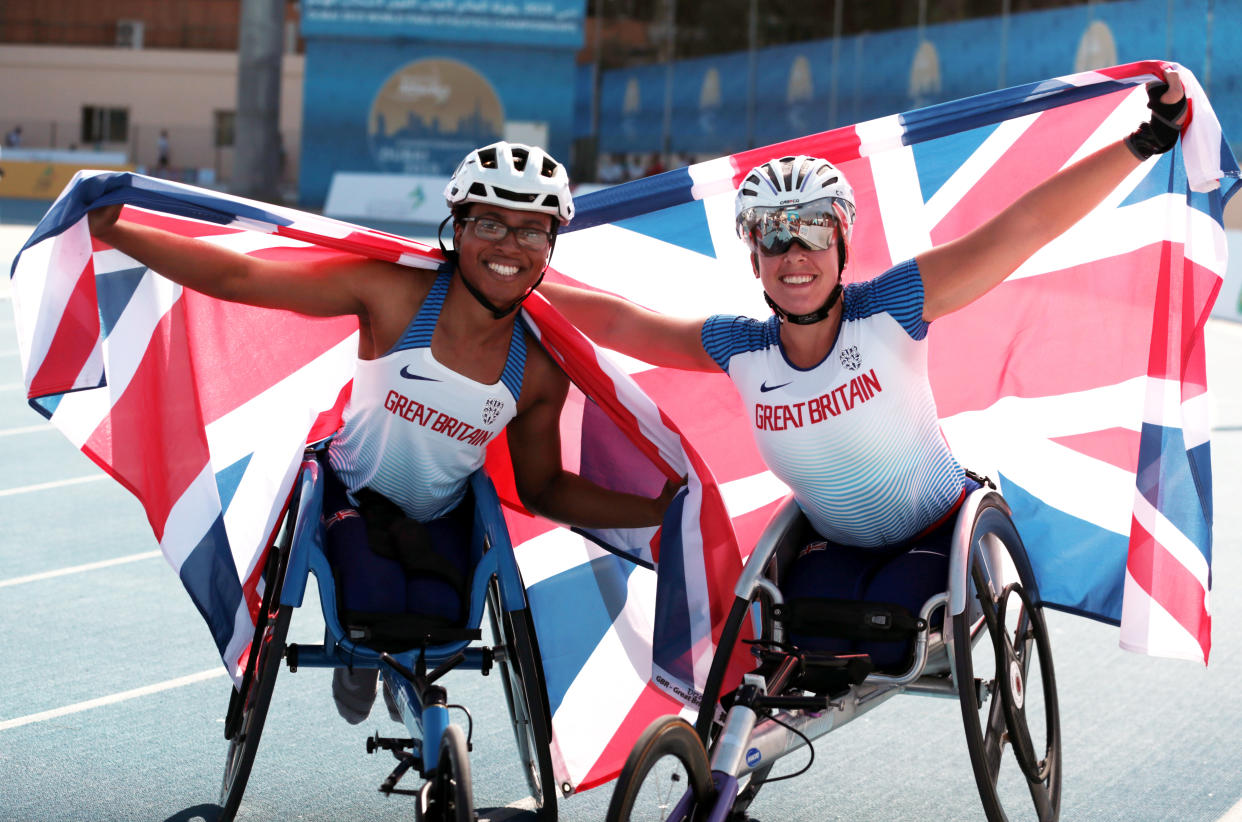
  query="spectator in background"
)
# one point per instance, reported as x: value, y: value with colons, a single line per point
x: 611, y: 170
x: 656, y: 166
x: 634, y: 168
x: 14, y: 138
x: 162, y: 149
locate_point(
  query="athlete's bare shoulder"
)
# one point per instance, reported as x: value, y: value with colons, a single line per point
x: 391, y: 296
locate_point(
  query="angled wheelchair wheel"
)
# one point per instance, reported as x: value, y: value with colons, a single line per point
x: 243, y: 724
x: 666, y: 777
x: 1006, y: 684
x: 521, y: 674
x: 447, y: 796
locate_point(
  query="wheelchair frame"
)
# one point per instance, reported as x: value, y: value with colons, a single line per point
x: 768, y: 718
x: 436, y: 748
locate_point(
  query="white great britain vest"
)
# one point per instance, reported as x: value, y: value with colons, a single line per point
x: 856, y: 438
x: 414, y: 430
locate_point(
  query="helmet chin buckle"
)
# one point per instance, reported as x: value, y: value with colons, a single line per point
x: 818, y: 315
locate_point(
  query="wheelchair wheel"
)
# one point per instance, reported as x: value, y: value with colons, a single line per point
x: 665, y: 778
x: 448, y: 797
x: 1005, y: 679
x: 521, y: 674
x: 243, y: 724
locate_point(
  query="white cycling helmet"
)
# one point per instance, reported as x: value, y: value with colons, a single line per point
x: 802, y: 182
x: 512, y: 175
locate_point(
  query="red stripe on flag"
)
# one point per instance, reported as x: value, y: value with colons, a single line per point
x: 177, y: 225
x: 709, y: 412
x: 1170, y: 584
x: 1103, y: 301
x: 1036, y: 155
x: 224, y: 338
x: 1200, y: 287
x: 376, y: 245
x: 77, y: 332
x: 153, y: 441
x: 837, y: 146
x: 1116, y: 446
x: 651, y: 703
x: 869, y: 254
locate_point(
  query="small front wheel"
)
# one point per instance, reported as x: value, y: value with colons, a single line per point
x: 448, y: 797
x: 665, y: 778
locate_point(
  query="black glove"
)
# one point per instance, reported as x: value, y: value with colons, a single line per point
x: 1162, y: 132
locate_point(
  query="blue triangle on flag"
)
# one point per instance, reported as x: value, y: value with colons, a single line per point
x: 577, y: 607
x: 114, y: 291
x: 683, y: 225
x: 227, y: 480
x: 937, y: 160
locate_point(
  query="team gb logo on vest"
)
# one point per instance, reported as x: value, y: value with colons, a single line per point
x: 850, y: 358
x: 491, y: 410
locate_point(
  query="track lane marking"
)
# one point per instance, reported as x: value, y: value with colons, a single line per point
x: 77, y: 569
x: 27, y: 429
x: 43, y: 486
x: 112, y: 699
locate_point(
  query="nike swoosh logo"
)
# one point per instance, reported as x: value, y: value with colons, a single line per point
x: 765, y: 388
x: 405, y: 373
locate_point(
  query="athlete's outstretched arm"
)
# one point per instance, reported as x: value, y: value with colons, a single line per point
x: 959, y: 272
x: 671, y: 342
x: 542, y: 483
x: 325, y: 288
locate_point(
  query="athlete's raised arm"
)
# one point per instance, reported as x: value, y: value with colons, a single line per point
x: 659, y: 339
x: 325, y: 288
x: 959, y: 272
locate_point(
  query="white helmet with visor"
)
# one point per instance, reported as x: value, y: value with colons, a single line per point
x: 512, y: 175
x: 795, y: 199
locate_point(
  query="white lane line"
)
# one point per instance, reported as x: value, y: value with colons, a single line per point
x: 77, y: 569
x: 43, y: 486
x: 112, y: 699
x: 28, y: 429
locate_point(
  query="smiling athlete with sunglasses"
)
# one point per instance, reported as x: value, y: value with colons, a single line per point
x: 835, y: 383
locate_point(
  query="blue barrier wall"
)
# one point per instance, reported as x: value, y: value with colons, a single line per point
x: 817, y: 85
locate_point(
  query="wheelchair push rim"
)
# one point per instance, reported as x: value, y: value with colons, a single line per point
x: 666, y: 777
x: 521, y: 675
x: 248, y: 705
x: 1005, y: 679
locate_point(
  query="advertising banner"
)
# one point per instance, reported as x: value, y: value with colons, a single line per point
x: 543, y: 23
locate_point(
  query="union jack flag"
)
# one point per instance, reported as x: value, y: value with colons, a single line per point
x: 1079, y: 383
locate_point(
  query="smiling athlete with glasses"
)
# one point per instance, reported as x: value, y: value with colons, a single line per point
x: 835, y: 383
x: 443, y: 368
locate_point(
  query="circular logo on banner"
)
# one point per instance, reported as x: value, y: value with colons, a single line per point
x: 431, y: 113
x: 1096, y: 48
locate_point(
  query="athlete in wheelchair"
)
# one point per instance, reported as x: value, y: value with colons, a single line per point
x: 412, y: 540
x: 836, y: 388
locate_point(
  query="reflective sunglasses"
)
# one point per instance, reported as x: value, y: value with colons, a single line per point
x: 772, y: 231
x: 493, y: 230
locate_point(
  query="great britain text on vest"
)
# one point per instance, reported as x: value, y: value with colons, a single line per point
x: 437, y: 421
x: 837, y: 401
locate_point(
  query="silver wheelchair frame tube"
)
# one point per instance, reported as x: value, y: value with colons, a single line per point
x: 745, y: 742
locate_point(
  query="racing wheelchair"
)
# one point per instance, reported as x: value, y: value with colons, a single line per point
x: 983, y: 642
x: 436, y: 748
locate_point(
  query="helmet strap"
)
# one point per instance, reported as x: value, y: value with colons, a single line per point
x: 815, y: 316
x: 497, y: 313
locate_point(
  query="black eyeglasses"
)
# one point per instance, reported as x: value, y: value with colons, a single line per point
x: 493, y: 230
